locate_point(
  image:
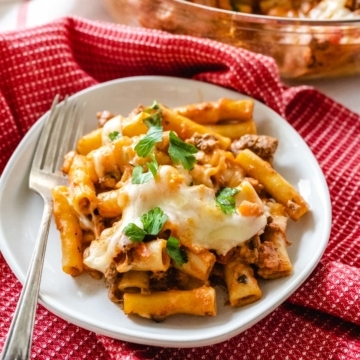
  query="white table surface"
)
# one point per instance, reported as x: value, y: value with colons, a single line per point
x: 344, y: 90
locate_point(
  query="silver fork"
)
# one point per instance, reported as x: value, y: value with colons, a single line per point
x: 61, y: 129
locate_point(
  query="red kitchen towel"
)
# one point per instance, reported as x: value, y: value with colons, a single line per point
x: 322, y: 319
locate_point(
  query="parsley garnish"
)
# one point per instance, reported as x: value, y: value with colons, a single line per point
x: 153, y: 165
x: 154, y: 106
x: 138, y: 177
x: 225, y: 199
x: 155, y: 118
x: 134, y: 233
x: 144, y: 147
x: 174, y: 250
x: 181, y: 151
x: 152, y: 221
x: 114, y: 135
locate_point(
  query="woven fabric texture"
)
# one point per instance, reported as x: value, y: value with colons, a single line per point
x: 321, y: 320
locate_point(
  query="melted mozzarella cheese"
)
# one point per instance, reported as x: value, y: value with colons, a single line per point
x: 112, y: 125
x: 192, y: 209
x: 97, y: 156
x: 331, y: 9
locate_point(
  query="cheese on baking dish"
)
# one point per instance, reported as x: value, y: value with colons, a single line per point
x: 191, y: 211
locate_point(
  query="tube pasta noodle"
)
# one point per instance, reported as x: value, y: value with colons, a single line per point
x: 274, y: 242
x: 159, y: 305
x: 186, y: 128
x: 108, y: 205
x: 82, y: 189
x: 70, y: 232
x: 242, y: 286
x: 218, y: 111
x: 199, y: 265
x: 234, y: 130
x: 167, y: 204
x: 151, y: 257
x: 89, y: 142
x: 281, y: 190
x: 134, y: 282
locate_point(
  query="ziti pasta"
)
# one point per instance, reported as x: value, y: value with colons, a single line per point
x: 166, y: 208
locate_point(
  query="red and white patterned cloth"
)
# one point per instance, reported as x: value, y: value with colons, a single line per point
x: 322, y: 319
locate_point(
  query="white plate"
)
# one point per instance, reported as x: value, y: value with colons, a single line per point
x: 83, y: 301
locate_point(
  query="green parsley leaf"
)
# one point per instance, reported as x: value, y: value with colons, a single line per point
x: 154, y: 106
x: 153, y: 166
x: 144, y: 147
x: 139, y: 177
x: 153, y: 120
x: 134, y: 233
x: 174, y: 250
x: 181, y: 151
x: 114, y: 135
x: 225, y: 199
x: 155, y: 117
x: 153, y: 221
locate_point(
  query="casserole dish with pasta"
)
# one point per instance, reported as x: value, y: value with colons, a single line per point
x: 308, y: 40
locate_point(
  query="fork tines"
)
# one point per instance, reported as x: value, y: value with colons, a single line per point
x: 59, y: 135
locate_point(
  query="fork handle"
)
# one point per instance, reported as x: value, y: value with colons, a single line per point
x: 19, y: 339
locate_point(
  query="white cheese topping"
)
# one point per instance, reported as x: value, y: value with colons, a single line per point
x: 112, y: 125
x: 191, y: 208
x: 331, y: 9
x: 97, y: 156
